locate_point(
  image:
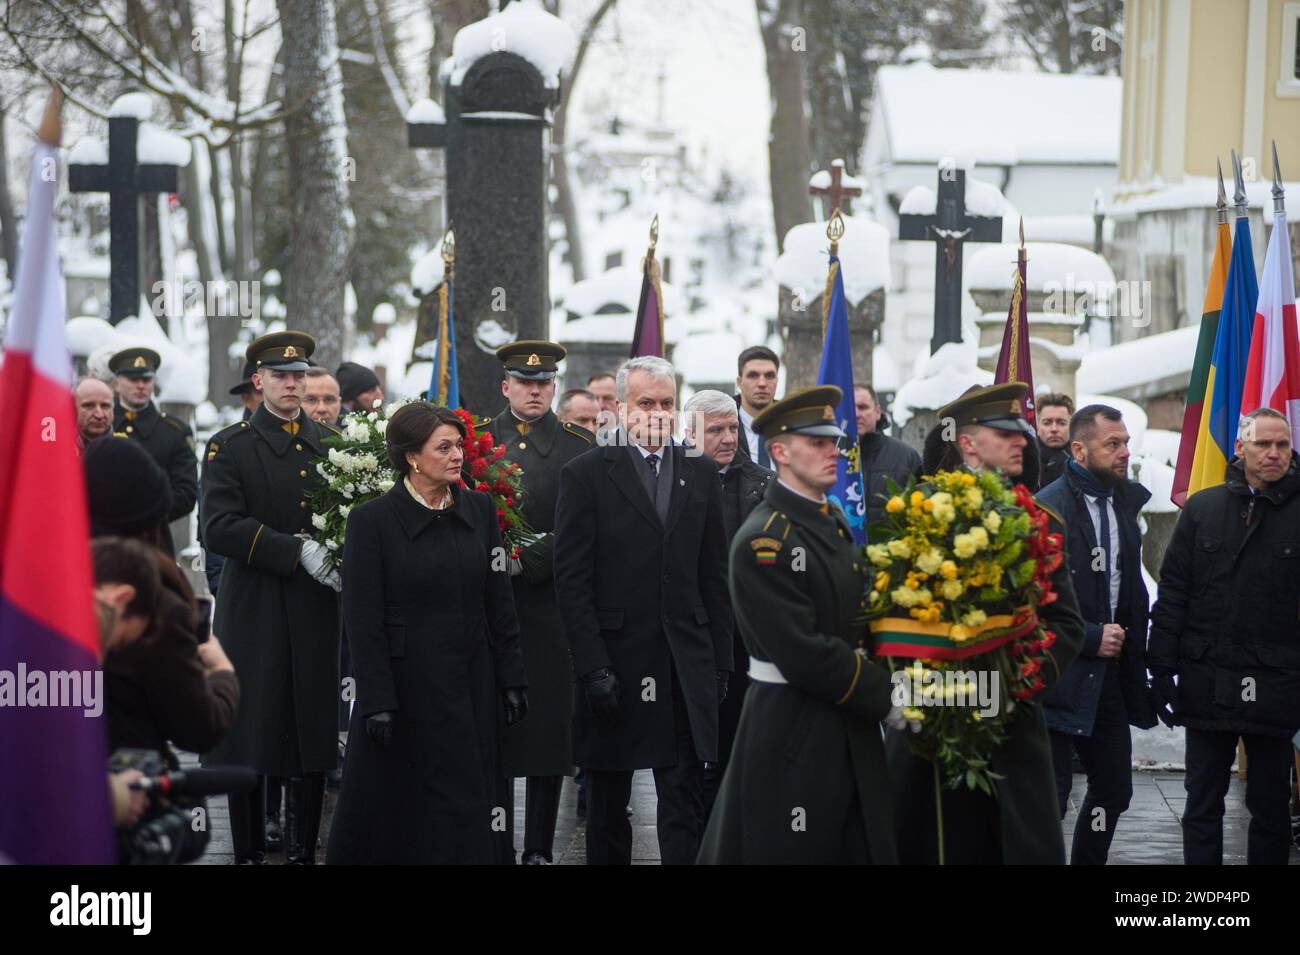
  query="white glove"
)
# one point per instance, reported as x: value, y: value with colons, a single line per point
x: 315, y: 559
x: 894, y: 719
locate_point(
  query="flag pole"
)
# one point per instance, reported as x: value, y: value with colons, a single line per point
x: 652, y: 264
x: 444, y: 326
x: 834, y: 232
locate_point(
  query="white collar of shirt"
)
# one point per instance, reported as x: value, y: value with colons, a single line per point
x: 527, y: 420
x: 646, y: 453
x: 280, y: 416
x: 815, y: 500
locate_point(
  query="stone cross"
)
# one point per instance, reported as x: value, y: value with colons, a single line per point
x: 127, y: 181
x: 949, y: 228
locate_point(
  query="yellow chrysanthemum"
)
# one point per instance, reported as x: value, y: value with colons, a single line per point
x: 948, y: 570
x: 900, y: 548
x: 975, y: 618
x: 993, y: 521
x: 894, y: 505
x: 952, y: 589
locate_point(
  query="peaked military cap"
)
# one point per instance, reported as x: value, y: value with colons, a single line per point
x: 283, y: 351
x: 532, y: 361
x: 806, y: 411
x: 995, y: 406
x: 135, y: 363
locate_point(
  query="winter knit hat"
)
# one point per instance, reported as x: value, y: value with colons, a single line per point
x: 126, y: 491
x: 353, y: 379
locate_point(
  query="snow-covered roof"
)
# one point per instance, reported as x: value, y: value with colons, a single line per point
x: 425, y: 111
x: 998, y: 117
x: 619, y: 286
x: 994, y: 267
x: 182, y: 374
x: 1074, y: 229
x: 1164, y: 359
x: 708, y: 357
x: 524, y: 29
x: 1193, y: 192
x: 863, y: 253
x: 1161, y: 445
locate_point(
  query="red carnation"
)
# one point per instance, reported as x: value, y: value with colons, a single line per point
x: 1029, y: 667
x: 478, y: 468
x: 483, y: 486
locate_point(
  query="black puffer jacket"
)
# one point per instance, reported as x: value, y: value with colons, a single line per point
x: 1227, y: 621
x: 884, y: 457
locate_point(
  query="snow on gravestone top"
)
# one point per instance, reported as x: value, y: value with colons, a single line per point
x: 863, y: 254
x: 153, y: 145
x: 939, y: 379
x: 425, y: 111
x: 383, y: 314
x: 982, y: 199
x: 523, y: 28
x: 135, y: 105
x: 821, y: 179
x: 994, y: 267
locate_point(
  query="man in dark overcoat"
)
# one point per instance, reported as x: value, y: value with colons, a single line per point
x: 640, y: 575
x: 168, y: 440
x: 807, y: 781
x: 277, y: 606
x: 986, y: 428
x: 540, y: 747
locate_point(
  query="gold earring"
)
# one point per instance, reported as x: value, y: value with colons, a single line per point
x: 416, y: 466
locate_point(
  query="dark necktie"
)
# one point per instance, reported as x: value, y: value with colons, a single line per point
x: 1103, y: 510
x: 653, y: 461
x: 764, y: 459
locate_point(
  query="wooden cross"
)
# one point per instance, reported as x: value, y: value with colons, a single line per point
x: 127, y: 181
x: 836, y: 191
x: 950, y: 228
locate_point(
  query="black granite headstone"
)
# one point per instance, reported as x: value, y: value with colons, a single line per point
x: 495, y: 136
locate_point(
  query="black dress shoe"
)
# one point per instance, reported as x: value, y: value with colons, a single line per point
x: 535, y: 858
x: 257, y: 858
x: 334, y: 778
x: 274, y: 834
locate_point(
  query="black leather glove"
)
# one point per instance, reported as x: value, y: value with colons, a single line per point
x: 1163, y: 695
x: 602, y: 693
x: 515, y: 701
x: 379, y: 727
x: 724, y: 680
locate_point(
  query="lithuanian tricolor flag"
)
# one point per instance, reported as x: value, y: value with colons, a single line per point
x: 1194, y: 422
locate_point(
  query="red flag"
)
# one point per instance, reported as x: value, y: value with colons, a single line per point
x: 1013, y: 360
x: 53, y: 782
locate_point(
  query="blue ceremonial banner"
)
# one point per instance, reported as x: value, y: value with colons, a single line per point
x: 837, y: 369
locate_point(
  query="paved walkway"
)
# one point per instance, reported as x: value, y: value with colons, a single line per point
x: 1149, y: 833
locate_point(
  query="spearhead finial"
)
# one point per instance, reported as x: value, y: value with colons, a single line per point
x: 1022, y: 232
x: 1221, y: 203
x: 1239, y: 200
x: 449, y: 244
x: 654, y: 232
x: 1279, y: 197
x: 835, y: 230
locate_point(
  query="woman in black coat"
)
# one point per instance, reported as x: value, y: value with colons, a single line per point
x: 428, y: 610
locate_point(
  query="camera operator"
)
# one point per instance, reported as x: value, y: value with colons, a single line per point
x: 175, y: 683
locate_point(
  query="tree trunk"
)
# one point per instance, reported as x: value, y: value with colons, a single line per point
x: 8, y: 221
x: 834, y: 134
x: 565, y: 195
x: 789, y: 151
x: 320, y: 219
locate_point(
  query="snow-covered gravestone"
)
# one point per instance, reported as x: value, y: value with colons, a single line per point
x: 800, y: 272
x: 138, y: 159
x: 499, y: 87
x: 952, y: 218
x: 600, y: 322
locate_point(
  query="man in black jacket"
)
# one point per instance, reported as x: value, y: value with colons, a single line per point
x: 712, y: 424
x: 640, y: 578
x: 1226, y: 627
x: 881, y: 456
x: 1053, y: 423
x: 1104, y: 690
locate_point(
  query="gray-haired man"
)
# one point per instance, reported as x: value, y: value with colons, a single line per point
x: 641, y: 581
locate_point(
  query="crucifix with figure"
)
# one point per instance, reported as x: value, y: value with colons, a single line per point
x: 127, y: 180
x: 950, y: 225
